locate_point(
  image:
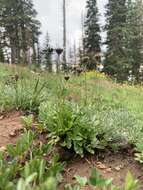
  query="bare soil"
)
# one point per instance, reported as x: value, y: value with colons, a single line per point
x: 109, y: 164
x: 10, y: 126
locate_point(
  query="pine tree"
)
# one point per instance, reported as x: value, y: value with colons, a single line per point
x: 92, y: 38
x: 19, y: 27
x: 47, y: 53
x: 1, y: 56
x: 116, y: 62
x: 135, y: 36
x: 124, y: 38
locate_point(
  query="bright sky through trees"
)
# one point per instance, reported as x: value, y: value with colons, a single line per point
x: 50, y: 15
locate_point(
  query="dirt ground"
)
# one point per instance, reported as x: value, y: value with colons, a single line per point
x: 10, y: 125
x: 109, y: 164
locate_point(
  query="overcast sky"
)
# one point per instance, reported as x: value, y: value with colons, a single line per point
x: 50, y: 15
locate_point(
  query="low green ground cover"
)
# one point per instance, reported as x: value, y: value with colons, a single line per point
x: 83, y: 114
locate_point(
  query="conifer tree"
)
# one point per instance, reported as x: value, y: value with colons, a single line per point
x: 92, y: 38
x: 116, y: 63
x: 124, y: 38
x: 19, y: 27
x: 135, y: 36
x: 47, y: 53
x: 1, y: 56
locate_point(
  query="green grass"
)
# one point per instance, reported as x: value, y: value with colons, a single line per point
x: 83, y: 114
x: 117, y: 107
x: 92, y: 90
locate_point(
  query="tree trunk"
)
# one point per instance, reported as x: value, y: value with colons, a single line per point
x: 13, y: 54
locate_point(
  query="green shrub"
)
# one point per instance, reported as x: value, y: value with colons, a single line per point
x: 73, y: 125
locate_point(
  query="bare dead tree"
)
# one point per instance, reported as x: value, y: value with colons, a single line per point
x: 64, y: 36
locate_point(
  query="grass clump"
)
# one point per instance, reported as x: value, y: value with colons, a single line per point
x: 22, y: 94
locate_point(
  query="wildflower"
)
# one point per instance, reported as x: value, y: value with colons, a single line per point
x: 67, y: 78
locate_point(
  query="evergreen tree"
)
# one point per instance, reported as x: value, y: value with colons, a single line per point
x: 135, y: 36
x: 116, y: 60
x: 124, y: 38
x: 19, y: 27
x: 1, y: 56
x: 47, y: 53
x: 92, y: 38
x: 80, y: 54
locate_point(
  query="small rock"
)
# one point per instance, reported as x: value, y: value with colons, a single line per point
x: 1, y: 117
x: 2, y: 149
x: 12, y: 134
x: 117, y: 168
x: 101, y: 166
x: 109, y: 169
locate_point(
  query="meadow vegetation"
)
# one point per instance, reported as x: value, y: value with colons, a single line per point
x: 84, y: 114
